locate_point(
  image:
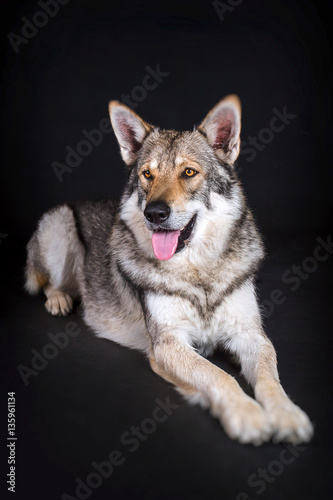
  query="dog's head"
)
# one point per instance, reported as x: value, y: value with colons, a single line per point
x: 182, y: 182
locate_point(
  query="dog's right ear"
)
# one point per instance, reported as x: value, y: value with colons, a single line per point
x: 130, y: 130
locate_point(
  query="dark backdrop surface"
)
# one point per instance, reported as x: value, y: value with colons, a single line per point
x: 57, y: 80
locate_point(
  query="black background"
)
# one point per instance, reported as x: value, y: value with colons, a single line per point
x: 273, y: 54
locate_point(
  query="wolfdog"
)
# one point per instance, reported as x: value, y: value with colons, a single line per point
x: 169, y: 270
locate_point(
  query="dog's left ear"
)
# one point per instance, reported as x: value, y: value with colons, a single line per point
x: 222, y: 128
x: 130, y: 130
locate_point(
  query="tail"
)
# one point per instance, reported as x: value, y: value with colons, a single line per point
x: 35, y: 277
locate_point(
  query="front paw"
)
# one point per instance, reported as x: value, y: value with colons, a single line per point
x: 245, y: 420
x: 290, y: 423
x: 59, y: 304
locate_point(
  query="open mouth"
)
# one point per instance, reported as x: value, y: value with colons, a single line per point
x: 168, y: 242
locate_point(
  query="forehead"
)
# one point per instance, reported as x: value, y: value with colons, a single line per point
x: 171, y: 148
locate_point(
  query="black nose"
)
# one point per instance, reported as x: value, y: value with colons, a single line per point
x: 157, y: 211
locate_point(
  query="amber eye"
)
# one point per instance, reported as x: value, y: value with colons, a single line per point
x: 147, y: 174
x: 189, y: 172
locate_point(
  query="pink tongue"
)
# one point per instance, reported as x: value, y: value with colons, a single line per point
x: 165, y: 244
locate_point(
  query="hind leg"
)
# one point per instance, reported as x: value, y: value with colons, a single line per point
x: 58, y: 303
x: 55, y: 257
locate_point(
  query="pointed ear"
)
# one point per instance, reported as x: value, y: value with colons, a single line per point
x: 130, y: 130
x: 222, y: 127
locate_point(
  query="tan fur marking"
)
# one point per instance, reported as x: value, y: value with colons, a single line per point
x: 187, y: 389
x: 267, y: 385
x: 168, y: 185
x: 41, y: 279
x: 167, y: 189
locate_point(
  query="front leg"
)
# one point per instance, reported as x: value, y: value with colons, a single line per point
x: 257, y: 357
x: 175, y: 360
